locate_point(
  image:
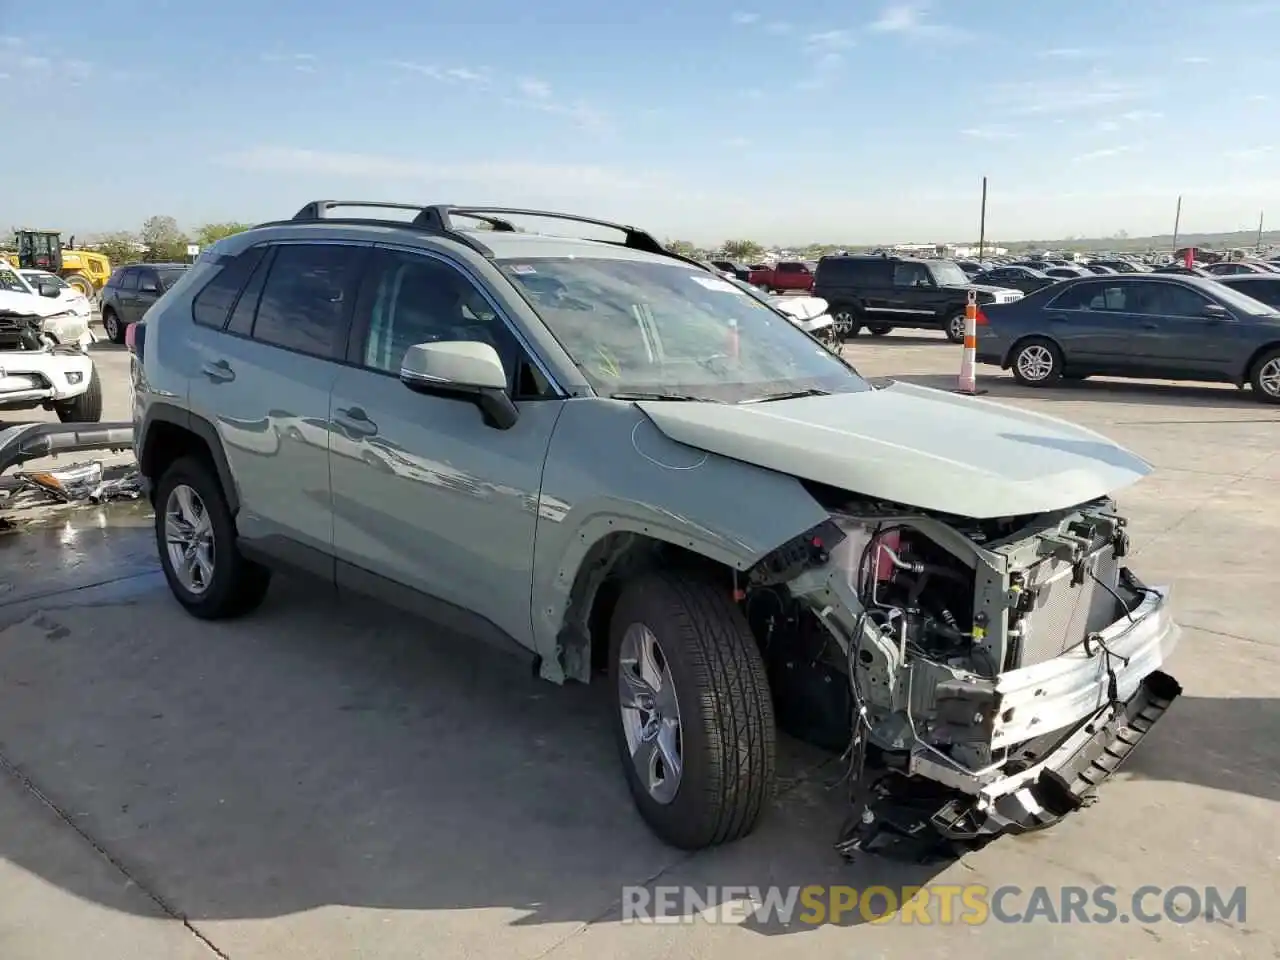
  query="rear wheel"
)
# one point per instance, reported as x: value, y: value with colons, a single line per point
x: 112, y: 326
x: 879, y: 329
x: 695, y: 727
x: 1265, y: 377
x: 86, y: 408
x: 196, y: 539
x: 1036, y: 362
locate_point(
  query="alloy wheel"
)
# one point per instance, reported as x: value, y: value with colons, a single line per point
x: 1269, y: 377
x: 1035, y: 362
x: 650, y: 713
x: 188, y: 532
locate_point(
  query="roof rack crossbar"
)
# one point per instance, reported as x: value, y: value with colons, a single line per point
x: 634, y: 237
x: 321, y: 209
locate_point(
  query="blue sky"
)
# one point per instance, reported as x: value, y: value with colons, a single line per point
x: 867, y: 120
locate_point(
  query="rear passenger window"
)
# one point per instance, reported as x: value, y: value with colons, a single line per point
x: 128, y: 280
x: 306, y: 301
x: 1077, y: 297
x: 213, y: 304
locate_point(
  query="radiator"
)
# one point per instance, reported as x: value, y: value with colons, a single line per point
x: 1065, y: 613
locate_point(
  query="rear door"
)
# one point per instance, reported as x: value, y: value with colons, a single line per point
x: 148, y: 292
x: 126, y: 290
x: 268, y: 340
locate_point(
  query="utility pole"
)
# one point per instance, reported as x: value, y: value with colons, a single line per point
x: 1177, y: 220
x: 1257, y: 248
x: 982, y: 222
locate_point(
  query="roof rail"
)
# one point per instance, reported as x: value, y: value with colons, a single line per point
x: 439, y: 217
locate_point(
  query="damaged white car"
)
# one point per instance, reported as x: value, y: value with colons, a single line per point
x: 626, y: 466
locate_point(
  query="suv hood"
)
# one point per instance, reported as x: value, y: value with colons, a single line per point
x: 31, y: 304
x: 915, y: 446
x: 992, y: 289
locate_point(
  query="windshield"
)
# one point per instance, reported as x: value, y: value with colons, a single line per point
x: 664, y: 330
x: 37, y: 277
x: 1237, y: 299
x: 945, y: 272
x: 10, y: 282
x: 170, y: 275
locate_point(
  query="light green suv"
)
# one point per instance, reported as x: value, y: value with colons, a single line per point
x: 614, y: 462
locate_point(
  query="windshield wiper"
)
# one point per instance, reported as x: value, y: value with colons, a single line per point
x: 789, y: 395
x: 625, y: 395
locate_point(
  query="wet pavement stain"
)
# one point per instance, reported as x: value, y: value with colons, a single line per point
x: 107, y: 551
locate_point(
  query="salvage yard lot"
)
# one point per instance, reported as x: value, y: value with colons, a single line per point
x: 325, y: 780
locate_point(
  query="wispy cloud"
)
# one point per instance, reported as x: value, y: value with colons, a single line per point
x: 1250, y: 153
x: 830, y: 40
x: 503, y: 174
x: 910, y: 18
x: 1076, y: 95
x: 1196, y: 60
x: 1128, y: 118
x: 990, y: 133
x: 535, y: 89
x: 1105, y: 153
x: 1071, y: 53
x: 823, y: 72
x: 464, y: 75
x: 299, y: 62
x: 758, y: 22
x: 744, y: 18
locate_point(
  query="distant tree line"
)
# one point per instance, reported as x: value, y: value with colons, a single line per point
x: 161, y: 240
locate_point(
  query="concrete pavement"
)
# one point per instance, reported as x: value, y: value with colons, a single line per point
x: 325, y: 780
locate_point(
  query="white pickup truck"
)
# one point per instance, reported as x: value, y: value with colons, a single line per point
x: 43, y: 353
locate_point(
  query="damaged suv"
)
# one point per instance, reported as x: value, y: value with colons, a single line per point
x: 611, y: 460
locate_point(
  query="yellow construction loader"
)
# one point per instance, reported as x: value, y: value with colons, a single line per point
x: 43, y: 250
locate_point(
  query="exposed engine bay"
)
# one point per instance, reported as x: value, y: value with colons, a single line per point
x: 21, y: 331
x: 979, y: 676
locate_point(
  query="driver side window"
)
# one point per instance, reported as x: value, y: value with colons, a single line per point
x: 414, y: 299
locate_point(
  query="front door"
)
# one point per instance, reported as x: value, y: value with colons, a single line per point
x: 426, y: 496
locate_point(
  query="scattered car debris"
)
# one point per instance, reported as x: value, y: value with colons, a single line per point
x: 82, y: 482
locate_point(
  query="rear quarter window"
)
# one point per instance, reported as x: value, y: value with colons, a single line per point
x: 212, y: 306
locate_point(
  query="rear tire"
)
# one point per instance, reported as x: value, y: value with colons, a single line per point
x: 713, y: 680
x: 86, y: 408
x: 112, y: 326
x: 234, y: 585
x: 879, y: 330
x: 1036, y: 362
x: 1265, y: 377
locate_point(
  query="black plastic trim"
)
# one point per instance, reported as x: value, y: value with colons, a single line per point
x: 194, y: 424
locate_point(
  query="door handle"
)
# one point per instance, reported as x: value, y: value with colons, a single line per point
x: 1151, y: 326
x: 356, y: 422
x: 219, y: 371
x: 1057, y: 319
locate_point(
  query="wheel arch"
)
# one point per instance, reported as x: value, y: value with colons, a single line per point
x: 1252, y: 362
x: 169, y: 433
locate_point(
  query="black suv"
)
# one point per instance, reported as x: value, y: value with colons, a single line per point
x: 883, y: 292
x: 131, y: 291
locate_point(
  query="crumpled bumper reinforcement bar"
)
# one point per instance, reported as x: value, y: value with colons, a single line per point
x: 920, y: 815
x: 30, y: 441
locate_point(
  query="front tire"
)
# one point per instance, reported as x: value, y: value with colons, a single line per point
x: 954, y: 328
x: 82, y: 284
x: 695, y: 725
x: 1265, y: 377
x: 86, y: 408
x: 112, y: 326
x: 848, y: 322
x: 196, y: 539
x: 1036, y: 362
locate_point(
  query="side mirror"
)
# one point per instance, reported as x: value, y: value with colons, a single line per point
x: 148, y: 286
x: 1217, y: 311
x: 467, y: 369
x: 49, y: 290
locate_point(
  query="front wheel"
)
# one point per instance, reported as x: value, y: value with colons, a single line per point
x: 86, y: 408
x: 695, y: 726
x: 847, y: 322
x: 1265, y: 377
x: 81, y: 283
x: 955, y: 328
x: 1036, y: 363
